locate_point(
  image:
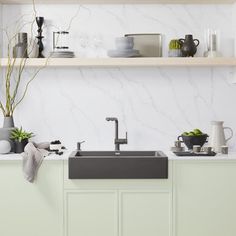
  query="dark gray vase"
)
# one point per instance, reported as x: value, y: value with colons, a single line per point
x: 5, y: 132
x: 188, y: 46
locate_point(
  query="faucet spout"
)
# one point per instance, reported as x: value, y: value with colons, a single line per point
x: 117, y: 140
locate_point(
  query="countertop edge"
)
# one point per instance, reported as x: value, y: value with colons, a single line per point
x: 171, y: 156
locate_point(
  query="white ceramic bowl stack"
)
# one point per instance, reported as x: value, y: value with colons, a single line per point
x: 124, y: 48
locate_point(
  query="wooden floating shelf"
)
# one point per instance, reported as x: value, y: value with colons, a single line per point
x: 126, y: 62
x: 118, y: 1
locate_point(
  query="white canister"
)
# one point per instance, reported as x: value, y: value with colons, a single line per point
x: 5, y: 147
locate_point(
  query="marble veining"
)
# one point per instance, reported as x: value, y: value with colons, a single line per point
x: 154, y: 105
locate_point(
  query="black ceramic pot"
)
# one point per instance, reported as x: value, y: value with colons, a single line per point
x: 19, y: 146
x: 190, y: 141
x: 188, y: 46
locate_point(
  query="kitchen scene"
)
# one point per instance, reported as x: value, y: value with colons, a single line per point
x: 117, y: 119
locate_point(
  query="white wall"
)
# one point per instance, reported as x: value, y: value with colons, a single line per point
x: 154, y: 105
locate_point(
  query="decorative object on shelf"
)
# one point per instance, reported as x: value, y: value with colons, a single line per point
x: 5, y: 147
x: 40, y: 21
x: 60, y: 40
x: 188, y: 46
x: 217, y: 138
x: 212, y: 43
x: 61, y: 45
x: 195, y: 137
x: 65, y: 54
x: 124, y: 48
x: 174, y: 48
x: 149, y: 45
x: 20, y: 49
x: 124, y: 43
x: 20, y: 138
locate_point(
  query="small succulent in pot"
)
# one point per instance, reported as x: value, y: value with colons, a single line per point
x: 20, y: 138
x: 175, y: 48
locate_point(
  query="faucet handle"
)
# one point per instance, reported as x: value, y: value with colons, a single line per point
x: 122, y: 140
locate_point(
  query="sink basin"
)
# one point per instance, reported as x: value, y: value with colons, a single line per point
x: 118, y: 153
x: 118, y: 165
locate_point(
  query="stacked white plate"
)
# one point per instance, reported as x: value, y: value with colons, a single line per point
x: 62, y: 54
x: 123, y: 53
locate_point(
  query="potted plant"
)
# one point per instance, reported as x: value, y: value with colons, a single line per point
x: 20, y: 138
x: 175, y: 48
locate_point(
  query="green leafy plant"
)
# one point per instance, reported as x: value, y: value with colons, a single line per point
x: 15, y: 82
x: 20, y: 135
x: 174, y: 44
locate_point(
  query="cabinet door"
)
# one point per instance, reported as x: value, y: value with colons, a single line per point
x: 91, y: 213
x: 145, y: 213
x: 205, y: 198
x: 31, y: 209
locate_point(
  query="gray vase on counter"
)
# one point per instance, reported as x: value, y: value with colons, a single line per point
x: 5, y: 132
x: 20, y: 49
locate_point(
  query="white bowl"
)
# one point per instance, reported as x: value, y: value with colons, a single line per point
x: 124, y: 43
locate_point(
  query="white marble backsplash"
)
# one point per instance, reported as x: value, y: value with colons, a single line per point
x: 154, y: 105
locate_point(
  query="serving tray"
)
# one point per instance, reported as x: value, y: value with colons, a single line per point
x: 203, y: 154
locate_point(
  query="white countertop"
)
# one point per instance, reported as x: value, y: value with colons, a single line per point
x: 18, y: 157
x: 171, y: 156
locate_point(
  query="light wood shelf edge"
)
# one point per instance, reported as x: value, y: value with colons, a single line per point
x: 118, y: 1
x: 125, y: 62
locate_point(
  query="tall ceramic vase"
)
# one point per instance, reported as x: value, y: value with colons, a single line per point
x: 5, y: 132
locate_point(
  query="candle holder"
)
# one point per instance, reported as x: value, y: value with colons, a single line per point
x: 40, y: 21
x: 212, y: 43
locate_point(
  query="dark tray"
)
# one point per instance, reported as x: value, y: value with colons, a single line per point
x: 202, y: 154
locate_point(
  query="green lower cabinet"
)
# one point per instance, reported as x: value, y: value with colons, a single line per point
x: 91, y: 213
x: 205, y: 198
x: 198, y: 199
x: 31, y: 209
x: 145, y: 213
x: 117, y: 213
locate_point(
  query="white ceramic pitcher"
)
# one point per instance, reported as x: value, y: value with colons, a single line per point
x: 217, y: 137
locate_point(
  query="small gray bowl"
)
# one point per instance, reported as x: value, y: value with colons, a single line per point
x: 124, y: 43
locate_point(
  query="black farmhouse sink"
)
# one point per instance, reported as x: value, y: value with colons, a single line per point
x: 118, y: 165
